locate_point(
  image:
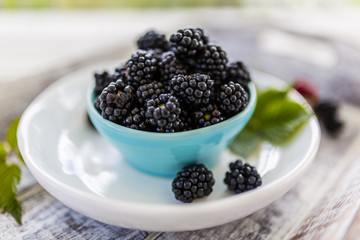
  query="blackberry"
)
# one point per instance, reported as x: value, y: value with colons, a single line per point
x: 212, y: 62
x: 115, y: 99
x: 193, y: 182
x: 242, y: 177
x: 238, y: 73
x: 153, y: 40
x: 187, y: 121
x: 141, y: 68
x: 149, y: 91
x: 170, y: 66
x: 193, y: 89
x: 188, y: 42
x: 207, y: 116
x: 232, y: 98
x: 327, y: 114
x: 163, y: 113
x: 136, y: 119
x: 102, y: 80
x: 97, y: 103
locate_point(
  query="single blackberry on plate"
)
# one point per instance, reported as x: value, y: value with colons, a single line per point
x: 115, y: 100
x: 153, y: 40
x: 242, y: 177
x: 163, y: 113
x: 232, y: 98
x: 188, y: 42
x: 102, y: 80
x: 141, y: 68
x: 238, y: 73
x: 149, y: 91
x: 212, y: 61
x: 207, y: 116
x: 193, y: 182
x: 193, y: 89
x: 170, y: 66
x: 136, y: 119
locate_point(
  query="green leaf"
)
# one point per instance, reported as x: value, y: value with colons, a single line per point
x: 11, y: 134
x: 10, y: 177
x: 268, y: 96
x: 2, y: 153
x: 276, y: 119
x: 246, y: 143
x: 280, y: 120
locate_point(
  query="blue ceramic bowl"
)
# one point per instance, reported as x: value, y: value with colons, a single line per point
x: 164, y: 154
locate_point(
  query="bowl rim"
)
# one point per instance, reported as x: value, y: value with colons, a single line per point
x: 119, y: 128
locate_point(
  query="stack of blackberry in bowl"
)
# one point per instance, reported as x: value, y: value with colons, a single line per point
x: 173, y: 102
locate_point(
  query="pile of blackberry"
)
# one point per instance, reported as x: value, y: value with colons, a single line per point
x: 173, y: 85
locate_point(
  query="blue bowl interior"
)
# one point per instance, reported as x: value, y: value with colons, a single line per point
x: 164, y: 154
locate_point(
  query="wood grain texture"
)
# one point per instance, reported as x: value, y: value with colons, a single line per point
x: 46, y: 218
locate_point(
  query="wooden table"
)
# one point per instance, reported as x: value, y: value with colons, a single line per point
x: 39, y: 47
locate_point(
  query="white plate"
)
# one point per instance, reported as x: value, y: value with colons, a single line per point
x: 81, y: 169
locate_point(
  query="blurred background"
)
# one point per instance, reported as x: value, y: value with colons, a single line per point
x: 42, y: 40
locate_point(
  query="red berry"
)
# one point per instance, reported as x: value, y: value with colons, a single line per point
x: 306, y: 89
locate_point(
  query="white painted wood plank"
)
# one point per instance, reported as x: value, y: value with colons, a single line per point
x: 46, y: 218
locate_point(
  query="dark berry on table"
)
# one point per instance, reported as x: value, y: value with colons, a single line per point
x: 153, y: 40
x: 141, y: 68
x: 193, y: 182
x: 115, y: 100
x: 102, y: 80
x: 136, y: 119
x: 192, y: 89
x: 232, y: 98
x: 170, y: 66
x: 149, y: 91
x: 188, y: 42
x: 326, y: 111
x: 238, y: 73
x: 163, y: 113
x: 212, y: 61
x: 207, y: 116
x: 242, y: 177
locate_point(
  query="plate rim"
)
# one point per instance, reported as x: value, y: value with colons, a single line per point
x: 161, y: 209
